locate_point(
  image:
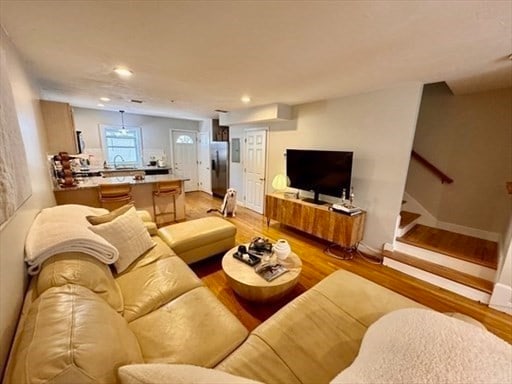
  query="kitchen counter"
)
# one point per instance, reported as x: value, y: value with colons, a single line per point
x: 147, y: 169
x: 107, y: 172
x: 93, y: 182
x: 86, y: 193
x: 121, y: 169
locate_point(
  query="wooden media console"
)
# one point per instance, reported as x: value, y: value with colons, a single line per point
x: 316, y: 220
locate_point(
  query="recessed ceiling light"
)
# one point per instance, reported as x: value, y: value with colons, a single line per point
x: 104, y: 99
x: 245, y: 99
x: 123, y: 72
x: 100, y: 105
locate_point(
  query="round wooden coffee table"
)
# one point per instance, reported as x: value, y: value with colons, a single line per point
x: 248, y: 284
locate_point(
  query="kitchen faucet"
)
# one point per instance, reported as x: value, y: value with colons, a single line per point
x: 115, y: 158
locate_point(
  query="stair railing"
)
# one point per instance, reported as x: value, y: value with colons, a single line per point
x: 431, y: 167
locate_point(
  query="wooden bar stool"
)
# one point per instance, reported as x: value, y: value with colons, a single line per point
x: 166, y: 189
x: 113, y: 196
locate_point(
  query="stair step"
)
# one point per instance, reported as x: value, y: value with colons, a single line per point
x: 439, y: 270
x: 407, y: 218
x: 463, y: 247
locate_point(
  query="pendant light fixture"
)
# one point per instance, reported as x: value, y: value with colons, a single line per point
x: 122, y: 130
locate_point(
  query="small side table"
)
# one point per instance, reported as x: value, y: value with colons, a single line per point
x: 248, y: 284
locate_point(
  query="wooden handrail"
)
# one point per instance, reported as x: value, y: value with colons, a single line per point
x: 431, y: 167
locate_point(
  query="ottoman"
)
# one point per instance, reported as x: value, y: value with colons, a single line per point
x: 198, y: 239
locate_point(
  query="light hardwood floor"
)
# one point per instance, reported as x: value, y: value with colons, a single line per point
x: 316, y: 265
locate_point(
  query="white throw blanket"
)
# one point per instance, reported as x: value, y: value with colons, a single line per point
x: 423, y: 346
x: 64, y: 228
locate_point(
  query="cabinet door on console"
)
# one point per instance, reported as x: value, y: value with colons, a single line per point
x: 307, y: 219
x: 291, y: 212
x: 322, y: 224
x: 272, y: 208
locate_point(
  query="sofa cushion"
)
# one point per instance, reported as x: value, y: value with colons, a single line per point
x: 424, y: 346
x: 158, y: 252
x: 311, y: 335
x: 362, y: 299
x: 197, y: 239
x: 176, y: 374
x: 81, y: 269
x: 148, y: 288
x: 144, y: 216
x: 71, y: 334
x: 318, y: 333
x: 108, y: 217
x: 256, y: 360
x: 466, y: 318
x: 128, y: 234
x: 198, y: 330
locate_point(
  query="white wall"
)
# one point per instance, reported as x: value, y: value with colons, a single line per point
x: 378, y: 126
x: 501, y: 298
x: 236, y: 170
x: 13, y: 277
x: 469, y: 138
x: 155, y: 130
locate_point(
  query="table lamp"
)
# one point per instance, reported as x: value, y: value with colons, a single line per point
x: 280, y: 182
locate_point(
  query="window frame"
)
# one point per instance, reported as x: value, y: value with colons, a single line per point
x: 104, y: 128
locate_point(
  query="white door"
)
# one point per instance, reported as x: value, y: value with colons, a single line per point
x: 203, y: 166
x: 254, y: 166
x: 185, y: 157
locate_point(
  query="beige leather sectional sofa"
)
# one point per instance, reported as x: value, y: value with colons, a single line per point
x: 80, y: 323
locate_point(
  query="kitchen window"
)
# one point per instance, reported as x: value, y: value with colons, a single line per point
x: 122, y: 146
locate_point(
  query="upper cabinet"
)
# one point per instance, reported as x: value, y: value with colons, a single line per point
x: 219, y: 132
x: 60, y: 127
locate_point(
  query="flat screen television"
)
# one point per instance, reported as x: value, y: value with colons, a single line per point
x: 321, y: 172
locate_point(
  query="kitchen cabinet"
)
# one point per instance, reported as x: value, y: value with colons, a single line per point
x: 219, y: 132
x: 60, y: 127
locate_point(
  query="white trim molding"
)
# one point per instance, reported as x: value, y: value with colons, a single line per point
x: 463, y: 290
x: 428, y: 219
x: 501, y: 298
x: 447, y: 261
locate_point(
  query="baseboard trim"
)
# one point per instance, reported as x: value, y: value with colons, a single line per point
x: 469, y: 231
x: 439, y: 281
x: 427, y: 218
x: 501, y: 298
x: 450, y: 262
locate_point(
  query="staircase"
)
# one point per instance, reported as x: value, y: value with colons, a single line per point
x: 459, y: 263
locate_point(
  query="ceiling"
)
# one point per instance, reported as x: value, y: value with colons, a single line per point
x: 192, y: 57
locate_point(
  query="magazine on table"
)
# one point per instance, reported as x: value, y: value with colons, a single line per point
x: 270, y: 271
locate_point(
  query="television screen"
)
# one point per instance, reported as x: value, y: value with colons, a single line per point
x: 321, y: 172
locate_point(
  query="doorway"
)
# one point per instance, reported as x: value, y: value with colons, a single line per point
x: 204, y: 172
x: 255, y: 168
x: 184, y: 149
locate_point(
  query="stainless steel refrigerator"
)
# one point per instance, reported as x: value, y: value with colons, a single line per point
x: 219, y: 153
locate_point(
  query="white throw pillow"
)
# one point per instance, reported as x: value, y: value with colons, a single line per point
x: 128, y: 234
x: 424, y: 346
x: 176, y: 374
